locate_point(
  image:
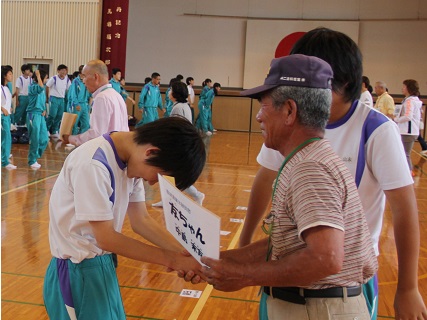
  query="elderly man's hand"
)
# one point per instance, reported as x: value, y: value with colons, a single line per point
x: 224, y: 274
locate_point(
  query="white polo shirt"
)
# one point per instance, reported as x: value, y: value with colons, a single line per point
x: 22, y: 84
x: 92, y: 186
x: 58, y: 86
x: 6, y: 98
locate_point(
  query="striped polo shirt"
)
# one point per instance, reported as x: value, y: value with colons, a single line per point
x: 314, y: 189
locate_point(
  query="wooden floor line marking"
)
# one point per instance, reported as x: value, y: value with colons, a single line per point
x: 208, y: 290
x: 30, y: 184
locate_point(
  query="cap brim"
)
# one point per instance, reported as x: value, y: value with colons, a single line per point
x: 256, y: 92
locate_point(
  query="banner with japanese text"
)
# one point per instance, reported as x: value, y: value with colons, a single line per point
x: 114, y: 33
x: 196, y: 228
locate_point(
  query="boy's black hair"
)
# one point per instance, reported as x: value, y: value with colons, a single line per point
x: 367, y: 83
x: 179, y: 91
x: 179, y: 77
x: 181, y: 154
x: 25, y: 67
x: 61, y: 66
x: 215, y: 87
x: 115, y: 70
x: 155, y: 75
x: 4, y: 71
x: 43, y: 75
x: 341, y: 52
x: 147, y: 80
x: 188, y: 80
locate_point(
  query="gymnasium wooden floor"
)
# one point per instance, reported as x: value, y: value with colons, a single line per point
x: 148, y: 291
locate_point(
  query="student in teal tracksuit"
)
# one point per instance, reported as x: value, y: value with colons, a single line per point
x: 22, y: 84
x: 36, y: 121
x: 6, y: 109
x: 149, y: 100
x: 168, y: 101
x: 115, y: 79
x: 125, y: 95
x: 205, y: 103
x: 78, y: 101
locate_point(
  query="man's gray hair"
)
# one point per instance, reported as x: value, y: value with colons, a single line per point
x: 382, y: 84
x: 99, y: 67
x: 313, y: 104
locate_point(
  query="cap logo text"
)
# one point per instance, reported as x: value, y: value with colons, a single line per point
x: 295, y: 79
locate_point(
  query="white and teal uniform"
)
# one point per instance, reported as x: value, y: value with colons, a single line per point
x: 36, y: 122
x: 6, y: 137
x: 81, y: 281
x: 58, y: 88
x: 22, y: 84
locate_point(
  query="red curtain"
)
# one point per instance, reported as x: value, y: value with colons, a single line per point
x: 114, y: 33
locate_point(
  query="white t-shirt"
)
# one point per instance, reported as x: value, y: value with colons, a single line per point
x: 379, y: 165
x: 58, y: 86
x: 191, y: 93
x: 182, y: 110
x: 6, y: 98
x: 22, y: 84
x: 109, y: 113
x: 366, y: 99
x: 92, y: 186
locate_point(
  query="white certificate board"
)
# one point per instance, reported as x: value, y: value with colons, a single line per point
x: 196, y: 228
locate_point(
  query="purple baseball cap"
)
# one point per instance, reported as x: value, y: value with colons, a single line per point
x: 296, y: 70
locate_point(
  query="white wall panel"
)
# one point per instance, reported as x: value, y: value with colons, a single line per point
x: 395, y: 51
x: 64, y: 31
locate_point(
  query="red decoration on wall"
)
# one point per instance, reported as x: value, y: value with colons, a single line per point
x: 285, y: 45
x: 114, y: 33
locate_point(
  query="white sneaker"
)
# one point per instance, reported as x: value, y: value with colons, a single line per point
x: 208, y: 133
x: 200, y: 197
x: 11, y: 167
x: 13, y: 127
x: 214, y: 130
x: 36, y: 165
x: 424, y: 153
x: 157, y: 204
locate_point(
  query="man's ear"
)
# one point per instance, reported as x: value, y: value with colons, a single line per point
x: 290, y: 110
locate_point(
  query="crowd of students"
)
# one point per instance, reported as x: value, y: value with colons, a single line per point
x: 41, y: 102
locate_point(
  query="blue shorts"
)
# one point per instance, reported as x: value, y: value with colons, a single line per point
x: 86, y: 290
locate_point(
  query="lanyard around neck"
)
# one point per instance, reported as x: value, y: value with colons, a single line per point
x: 298, y: 148
x: 269, y: 232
